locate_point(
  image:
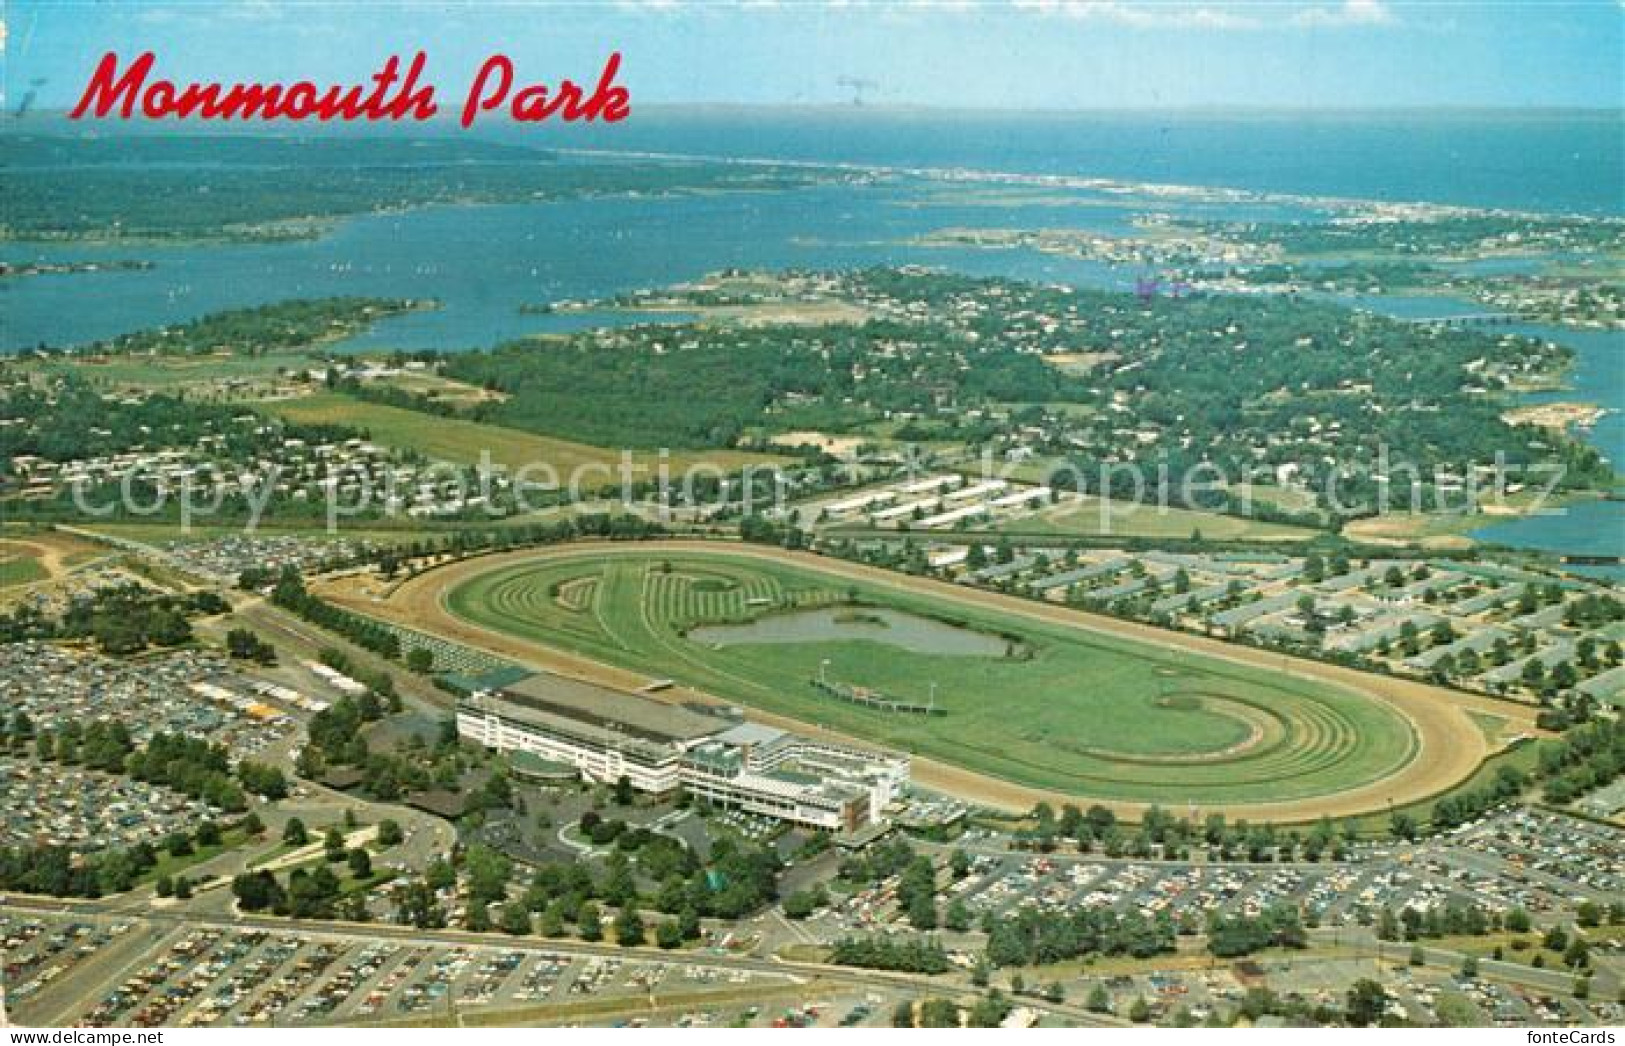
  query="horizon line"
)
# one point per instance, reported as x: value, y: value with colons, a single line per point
x: 909, y: 108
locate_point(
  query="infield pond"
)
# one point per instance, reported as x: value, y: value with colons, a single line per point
x: 920, y: 635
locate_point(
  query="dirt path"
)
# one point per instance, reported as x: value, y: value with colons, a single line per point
x: 1450, y: 744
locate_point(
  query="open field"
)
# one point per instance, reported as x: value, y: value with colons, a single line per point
x: 208, y: 377
x: 1090, y: 516
x: 1423, y: 530
x: 1077, y: 708
x: 444, y: 390
x: 19, y: 568
x: 30, y: 556
x: 461, y: 442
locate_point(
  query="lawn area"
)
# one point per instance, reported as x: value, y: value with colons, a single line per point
x: 1092, y: 517
x: 461, y: 441
x: 169, y: 864
x: 1031, y: 702
x: 19, y: 568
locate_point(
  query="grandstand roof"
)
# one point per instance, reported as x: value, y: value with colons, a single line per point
x: 634, y: 714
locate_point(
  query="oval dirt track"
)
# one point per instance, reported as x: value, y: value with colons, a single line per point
x: 1450, y: 746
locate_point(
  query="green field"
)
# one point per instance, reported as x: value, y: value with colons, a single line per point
x: 195, y: 374
x: 1052, y: 707
x: 461, y: 441
x: 19, y: 570
x: 1083, y: 517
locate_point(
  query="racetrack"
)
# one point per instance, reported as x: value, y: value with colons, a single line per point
x: 1445, y: 744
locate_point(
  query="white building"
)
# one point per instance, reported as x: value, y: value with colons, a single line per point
x: 660, y: 747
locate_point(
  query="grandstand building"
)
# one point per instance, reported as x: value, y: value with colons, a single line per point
x: 659, y: 747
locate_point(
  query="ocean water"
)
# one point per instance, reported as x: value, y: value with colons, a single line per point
x: 482, y: 263
x: 1569, y: 161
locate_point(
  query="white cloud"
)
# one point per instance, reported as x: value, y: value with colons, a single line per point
x: 1142, y: 15
x: 1350, y: 12
x: 1162, y: 14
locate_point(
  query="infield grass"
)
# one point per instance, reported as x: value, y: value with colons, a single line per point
x: 1061, y: 708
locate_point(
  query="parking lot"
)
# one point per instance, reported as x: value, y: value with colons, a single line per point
x: 153, y: 695
x: 215, y: 977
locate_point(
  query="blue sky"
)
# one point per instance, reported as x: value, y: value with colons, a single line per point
x: 1054, y: 54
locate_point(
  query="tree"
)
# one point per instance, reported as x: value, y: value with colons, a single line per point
x: 1139, y: 1011
x: 800, y: 904
x: 590, y: 922
x: 389, y: 833
x: 939, y: 1013
x: 1469, y: 967
x: 440, y: 875
x: 623, y: 791
x: 629, y: 929
x: 244, y: 645
x: 333, y: 843
x: 669, y: 935
x: 515, y: 919
x: 922, y: 912
x: 989, y: 1011
x: 1365, y: 1003
x: 1099, y: 1001
x: 551, y: 924
x: 360, y: 863
x: 420, y: 660
x: 1402, y: 825
x: 294, y: 832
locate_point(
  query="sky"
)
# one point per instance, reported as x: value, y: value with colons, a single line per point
x: 1024, y: 54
